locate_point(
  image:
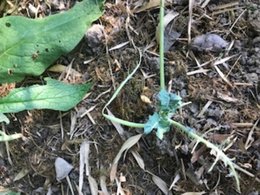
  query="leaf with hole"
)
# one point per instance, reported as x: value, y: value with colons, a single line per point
x: 29, y: 46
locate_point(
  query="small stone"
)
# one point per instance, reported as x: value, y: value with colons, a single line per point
x: 62, y: 168
x: 252, y: 77
x: 209, y: 42
x: 95, y: 37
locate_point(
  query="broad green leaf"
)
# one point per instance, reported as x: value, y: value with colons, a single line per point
x: 29, y: 46
x: 164, y: 98
x: 55, y: 95
x: 169, y: 102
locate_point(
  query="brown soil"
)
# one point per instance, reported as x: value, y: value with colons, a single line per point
x: 223, y: 108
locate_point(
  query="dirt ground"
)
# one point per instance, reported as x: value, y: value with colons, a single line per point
x: 220, y: 85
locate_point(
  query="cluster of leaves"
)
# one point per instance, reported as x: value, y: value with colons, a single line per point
x: 29, y: 46
x: 168, y: 103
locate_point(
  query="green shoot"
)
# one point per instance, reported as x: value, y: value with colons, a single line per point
x: 167, y: 105
x: 118, y: 120
x: 162, y: 77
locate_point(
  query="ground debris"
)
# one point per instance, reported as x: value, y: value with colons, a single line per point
x: 105, y: 56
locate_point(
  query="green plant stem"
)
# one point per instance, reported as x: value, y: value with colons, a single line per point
x: 115, y: 119
x: 220, y: 155
x: 161, y: 26
x: 123, y: 122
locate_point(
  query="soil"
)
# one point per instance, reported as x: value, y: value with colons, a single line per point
x: 223, y: 102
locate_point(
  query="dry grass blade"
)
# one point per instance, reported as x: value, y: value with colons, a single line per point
x: 130, y: 142
x: 70, y: 185
x: 21, y: 174
x: 166, y: 20
x: 157, y: 180
x: 196, y: 60
x: 193, y: 193
x: 203, y: 71
x: 191, y: 3
x: 119, y: 46
x: 152, y: 4
x: 250, y: 139
x: 119, y: 190
x: 230, y: 30
x: 204, y: 109
x: 138, y: 159
x: 84, y: 160
x: 221, y: 61
x: 93, y: 185
x: 223, y: 76
x: 225, y: 8
x: 103, y: 185
x: 118, y: 127
x: 161, y: 184
x: 205, y: 3
x: 176, y: 179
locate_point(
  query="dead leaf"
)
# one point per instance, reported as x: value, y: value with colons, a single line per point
x: 170, y: 35
x: 130, y: 142
x: 6, y: 88
x: 21, y: 174
x: 84, y: 161
x: 196, y: 154
x: 161, y: 184
x: 118, y: 127
x: 103, y: 185
x: 139, y: 159
x: 145, y: 99
x: 152, y: 4
x: 226, y: 98
x: 250, y: 139
x: 193, y: 193
x: 93, y: 185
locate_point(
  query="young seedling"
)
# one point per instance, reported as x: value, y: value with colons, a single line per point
x: 168, y: 103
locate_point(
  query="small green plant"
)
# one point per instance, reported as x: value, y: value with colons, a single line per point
x: 167, y: 105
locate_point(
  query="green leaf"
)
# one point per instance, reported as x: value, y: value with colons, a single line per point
x: 164, y: 98
x: 157, y: 122
x: 161, y: 130
x: 29, y: 46
x: 168, y: 102
x: 152, y: 123
x: 175, y: 102
x: 55, y: 95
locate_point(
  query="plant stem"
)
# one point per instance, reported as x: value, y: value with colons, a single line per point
x: 123, y: 122
x: 161, y: 27
x: 118, y: 120
x: 220, y: 155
